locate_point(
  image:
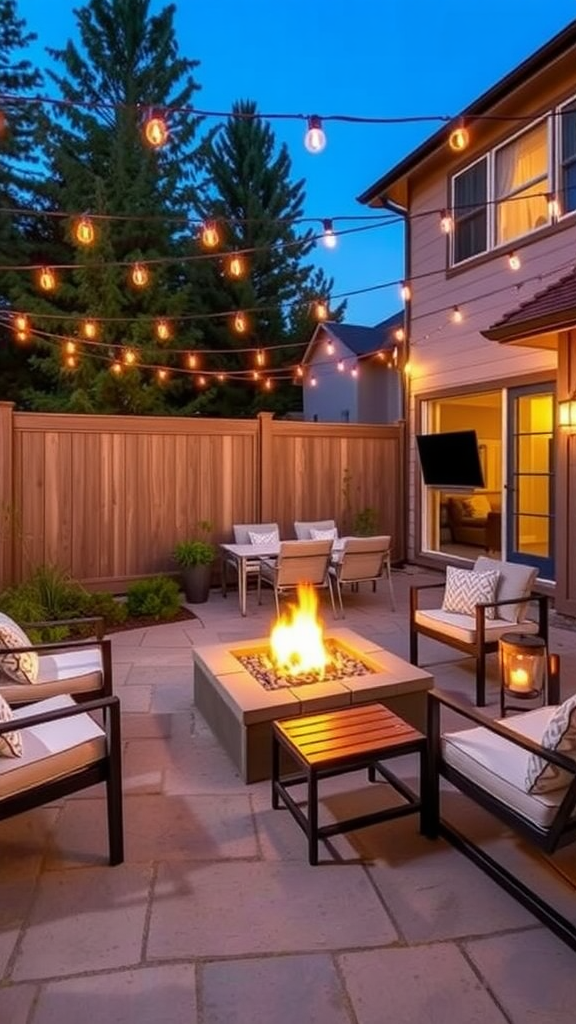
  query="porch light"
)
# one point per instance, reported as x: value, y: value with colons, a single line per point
x: 315, y: 138
x: 567, y: 414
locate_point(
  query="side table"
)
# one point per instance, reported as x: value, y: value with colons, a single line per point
x: 342, y: 741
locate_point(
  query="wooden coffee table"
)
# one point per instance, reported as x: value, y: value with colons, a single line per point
x: 345, y: 741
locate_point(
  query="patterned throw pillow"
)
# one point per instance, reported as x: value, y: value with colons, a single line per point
x: 18, y: 667
x: 323, y: 534
x: 560, y: 735
x: 264, y: 538
x: 10, y: 742
x: 465, y: 589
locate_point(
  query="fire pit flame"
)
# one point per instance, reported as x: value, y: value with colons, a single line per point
x: 297, y: 637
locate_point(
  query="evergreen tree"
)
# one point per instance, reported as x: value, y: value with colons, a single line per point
x: 250, y: 195
x: 126, y: 69
x: 18, y: 122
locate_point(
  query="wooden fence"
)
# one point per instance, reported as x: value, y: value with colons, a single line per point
x: 107, y: 497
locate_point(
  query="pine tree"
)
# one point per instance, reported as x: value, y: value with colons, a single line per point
x: 251, y: 197
x: 126, y: 69
x: 18, y: 122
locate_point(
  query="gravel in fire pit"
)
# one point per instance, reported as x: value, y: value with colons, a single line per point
x: 342, y: 665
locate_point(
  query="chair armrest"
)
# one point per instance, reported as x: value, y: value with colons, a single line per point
x: 437, y: 699
x: 415, y: 592
x: 98, y: 620
x: 28, y: 721
x: 60, y: 645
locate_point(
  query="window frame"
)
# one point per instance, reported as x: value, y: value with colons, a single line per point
x: 495, y: 200
x: 559, y: 162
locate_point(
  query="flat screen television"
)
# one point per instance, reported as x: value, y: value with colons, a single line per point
x: 450, y: 461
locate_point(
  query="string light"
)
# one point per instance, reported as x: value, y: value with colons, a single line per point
x: 90, y: 329
x: 260, y: 357
x: 400, y: 334
x: 340, y: 366
x: 315, y: 138
x: 156, y: 132
x: 70, y: 362
x: 446, y: 222
x: 70, y: 348
x: 321, y: 309
x: 162, y: 375
x: 235, y: 266
x: 299, y: 371
x: 255, y: 375
x: 330, y: 348
x: 240, y: 323
x: 405, y: 291
x: 192, y: 361
x: 21, y: 323
x: 457, y: 315
x: 139, y: 275
x: 162, y: 330
x: 514, y: 261
x: 354, y: 371
x: 47, y: 279
x: 459, y: 139
x: 313, y: 382
x: 22, y: 336
x: 85, y: 231
x: 210, y: 236
x: 268, y: 384
x: 201, y: 381
x: 116, y: 367
x: 130, y: 357
x: 329, y: 238
x: 221, y: 377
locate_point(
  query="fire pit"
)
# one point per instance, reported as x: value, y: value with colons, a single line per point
x: 240, y: 689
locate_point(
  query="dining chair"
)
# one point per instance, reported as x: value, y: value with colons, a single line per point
x: 299, y: 561
x: 303, y: 530
x: 362, y: 559
x: 242, y: 535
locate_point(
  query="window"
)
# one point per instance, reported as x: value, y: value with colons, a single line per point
x: 568, y: 158
x: 470, y: 213
x: 521, y: 184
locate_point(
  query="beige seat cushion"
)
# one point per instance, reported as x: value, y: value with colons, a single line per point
x: 53, y: 750
x: 463, y: 627
x: 75, y: 671
x: 498, y: 767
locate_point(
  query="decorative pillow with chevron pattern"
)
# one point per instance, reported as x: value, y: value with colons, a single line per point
x: 465, y: 589
x: 559, y: 735
x: 264, y: 538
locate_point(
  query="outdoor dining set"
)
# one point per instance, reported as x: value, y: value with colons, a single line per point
x: 317, y: 555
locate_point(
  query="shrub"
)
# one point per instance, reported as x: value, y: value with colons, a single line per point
x: 104, y: 603
x: 158, y: 597
x: 51, y: 593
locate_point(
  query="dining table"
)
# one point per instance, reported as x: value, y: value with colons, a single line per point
x: 241, y: 554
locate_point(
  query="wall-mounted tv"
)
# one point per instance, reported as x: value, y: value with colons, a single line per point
x: 450, y: 461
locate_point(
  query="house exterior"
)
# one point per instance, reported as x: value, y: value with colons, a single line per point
x: 491, y: 317
x: 351, y: 373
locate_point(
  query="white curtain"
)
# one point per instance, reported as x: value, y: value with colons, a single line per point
x: 521, y: 173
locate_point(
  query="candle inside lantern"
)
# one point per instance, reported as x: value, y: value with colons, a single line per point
x: 519, y: 680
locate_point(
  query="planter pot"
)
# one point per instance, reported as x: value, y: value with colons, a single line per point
x: 196, y: 580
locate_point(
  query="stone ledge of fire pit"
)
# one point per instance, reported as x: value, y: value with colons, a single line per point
x: 250, y: 702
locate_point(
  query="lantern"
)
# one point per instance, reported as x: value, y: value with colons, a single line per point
x: 527, y: 673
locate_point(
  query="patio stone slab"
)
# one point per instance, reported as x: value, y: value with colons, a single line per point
x: 149, y: 995
x: 532, y: 975
x: 191, y: 902
x: 154, y: 674
x: 84, y: 920
x: 282, y: 990
x: 16, y: 1003
x: 188, y: 828
x: 141, y: 773
x: 411, y: 986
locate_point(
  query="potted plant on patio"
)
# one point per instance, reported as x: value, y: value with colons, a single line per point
x: 195, y: 558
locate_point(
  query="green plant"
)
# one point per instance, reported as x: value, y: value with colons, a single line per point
x: 195, y: 551
x: 366, y: 523
x: 104, y: 603
x: 158, y: 597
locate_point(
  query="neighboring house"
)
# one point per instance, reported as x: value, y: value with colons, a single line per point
x: 351, y: 375
x: 493, y: 348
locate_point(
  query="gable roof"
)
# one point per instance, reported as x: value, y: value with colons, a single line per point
x: 553, y: 308
x: 362, y: 341
x: 538, y: 61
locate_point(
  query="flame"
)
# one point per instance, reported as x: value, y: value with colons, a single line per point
x: 296, y: 639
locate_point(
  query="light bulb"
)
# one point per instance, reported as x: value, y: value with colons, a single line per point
x: 70, y: 348
x: 21, y: 336
x: 201, y: 381
x: 395, y: 356
x: 313, y: 382
x: 268, y: 384
x: 260, y: 357
x: 446, y: 222
x: 116, y: 367
x: 299, y: 371
x: 457, y: 315
x: 162, y: 330
x: 315, y: 139
x: 354, y: 371
x: 90, y: 329
x: 340, y: 366
x: 221, y: 377
x: 210, y: 236
x: 554, y: 211
x: 514, y: 261
x: 192, y: 361
x: 405, y: 291
x: 329, y: 238
x: 21, y: 322
x: 162, y: 375
x: 321, y: 310
x: 139, y: 275
x: 240, y: 323
x: 255, y: 375
x: 85, y: 231
x: 459, y: 139
x: 70, y: 362
x: 47, y: 279
x: 399, y: 334
x: 156, y: 131
x: 330, y: 348
x: 129, y: 357
x: 235, y: 266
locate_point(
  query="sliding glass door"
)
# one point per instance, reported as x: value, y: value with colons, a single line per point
x: 530, y: 477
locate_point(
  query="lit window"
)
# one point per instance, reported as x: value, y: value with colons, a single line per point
x: 521, y: 177
x: 568, y: 158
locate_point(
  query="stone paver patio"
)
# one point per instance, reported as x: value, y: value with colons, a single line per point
x: 216, y: 917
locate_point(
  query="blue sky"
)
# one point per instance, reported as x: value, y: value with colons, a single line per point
x: 366, y: 59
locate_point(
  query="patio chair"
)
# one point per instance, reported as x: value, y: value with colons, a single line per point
x: 299, y: 561
x: 476, y: 612
x: 242, y: 533
x: 303, y: 531
x: 521, y: 769
x: 362, y: 559
x: 63, y: 750
x: 31, y: 672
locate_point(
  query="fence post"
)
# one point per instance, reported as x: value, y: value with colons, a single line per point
x: 266, y: 469
x: 7, y: 519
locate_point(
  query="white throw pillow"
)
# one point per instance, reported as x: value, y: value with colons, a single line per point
x: 465, y: 589
x: 264, y: 538
x: 560, y: 735
x: 10, y: 742
x: 22, y: 667
x: 323, y: 534
x: 516, y: 580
